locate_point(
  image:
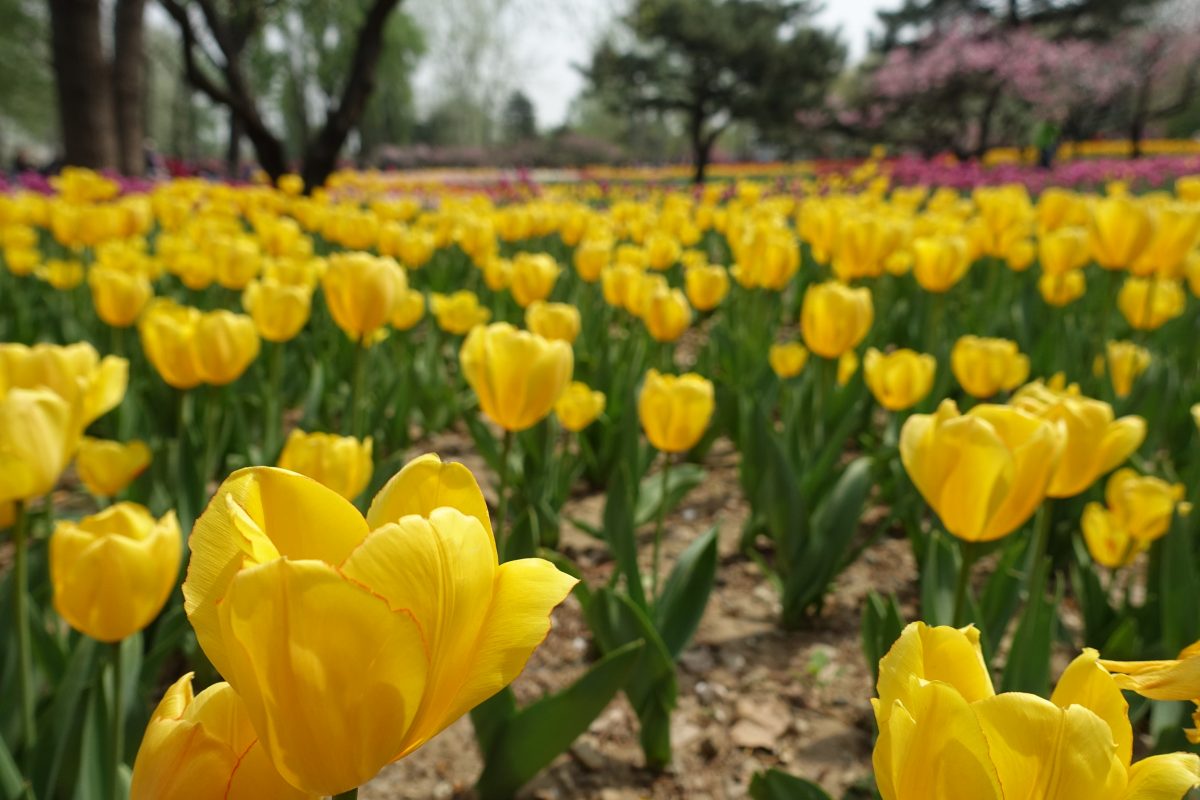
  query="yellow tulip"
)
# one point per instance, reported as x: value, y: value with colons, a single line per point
x: 342, y: 463
x: 1196, y: 415
x: 113, y: 571
x: 1064, y: 289
x: 107, y: 467
x: 226, y: 344
x: 559, y: 321
x: 847, y: 366
x: 667, y: 315
x: 939, y: 263
x: 1058, y: 208
x: 787, y: 359
x: 706, y: 286
x: 984, y: 472
x: 579, y: 406
x: 1176, y: 231
x: 1149, y: 303
x: 61, y: 274
x: 985, y: 366
x: 819, y: 222
x: 204, y: 747
x: 39, y: 432
x: 1109, y: 544
x: 354, y: 641
x: 91, y: 385
x: 416, y: 248
x: 1095, y: 442
x: 592, y: 256
x: 518, y: 376
x: 618, y: 282
x: 361, y: 291
x: 662, y: 250
x: 459, y: 312
x: 119, y: 296
x: 22, y: 262
x: 1174, y: 679
x: 643, y: 286
x: 1063, y: 251
x: 533, y: 277
x: 900, y: 379
x: 1005, y: 218
x: 236, y: 261
x: 1121, y: 228
x: 409, y: 310
x: 675, y: 410
x: 168, y: 333
x: 1126, y: 362
x: 864, y: 243
x: 279, y: 310
x: 1143, y: 505
x: 766, y: 258
x: 834, y: 318
x: 497, y: 273
x: 946, y: 735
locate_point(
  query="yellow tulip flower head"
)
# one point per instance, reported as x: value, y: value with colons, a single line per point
x: 62, y: 274
x: 409, y: 310
x: 1142, y: 504
x: 107, y: 467
x: 787, y: 359
x: 361, y: 291
x: 39, y: 432
x: 497, y: 273
x: 592, y: 256
x: 518, y: 376
x: 706, y: 285
x: 946, y: 735
x: 1095, y: 442
x: 1126, y: 362
x: 675, y: 410
x: 1149, y: 303
x: 236, y: 261
x: 1109, y: 544
x: 119, y: 296
x: 112, y: 572
x: 226, y: 344
x: 1059, y: 208
x: 168, y: 334
x: 279, y: 310
x: 201, y: 742
x: 900, y: 379
x: 766, y: 258
x: 1173, y: 679
x: 847, y: 366
x: 984, y: 472
x: 834, y: 317
x: 1062, y: 290
x: 1120, y: 229
x: 986, y: 366
x: 342, y: 463
x: 864, y: 244
x: 939, y: 263
x: 459, y: 312
x: 1176, y: 231
x: 1005, y: 218
x: 352, y: 641
x: 1063, y: 250
x: 662, y: 250
x: 91, y: 385
x: 667, y: 314
x: 555, y: 321
x: 579, y: 406
x: 1196, y: 415
x: 533, y: 277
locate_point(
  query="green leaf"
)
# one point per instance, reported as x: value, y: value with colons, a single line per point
x: 882, y: 624
x: 620, y: 532
x: 59, y: 725
x: 775, y: 785
x: 650, y: 497
x: 490, y: 717
x: 529, y: 740
x: 1028, y: 667
x: 12, y: 785
x: 939, y: 576
x: 1001, y: 595
x: 685, y: 595
x: 1180, y: 586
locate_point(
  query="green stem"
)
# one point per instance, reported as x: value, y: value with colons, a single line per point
x: 118, y: 723
x: 212, y: 416
x: 348, y: 795
x: 273, y: 403
x: 1041, y: 542
x: 502, y: 511
x: 969, y: 552
x: 356, y: 396
x: 658, y: 530
x: 24, y: 646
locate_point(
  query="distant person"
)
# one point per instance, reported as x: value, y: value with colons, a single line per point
x: 22, y: 163
x: 1045, y: 139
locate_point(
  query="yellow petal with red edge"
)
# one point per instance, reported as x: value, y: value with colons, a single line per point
x: 1086, y: 683
x: 426, y: 483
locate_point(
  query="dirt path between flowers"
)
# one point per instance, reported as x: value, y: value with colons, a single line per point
x: 751, y: 696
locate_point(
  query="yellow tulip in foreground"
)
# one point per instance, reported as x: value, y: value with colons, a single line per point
x: 553, y: 320
x: 107, y: 467
x: 75, y: 372
x: 899, y: 379
x: 944, y: 734
x: 354, y: 641
x: 361, y: 290
x: 518, y: 376
x: 675, y: 410
x: 189, y: 347
x: 113, y: 571
x: 279, y: 310
x: 39, y: 432
x: 984, y: 472
x: 579, y: 406
x: 1175, y: 679
x: 834, y: 318
x: 1126, y: 363
x: 203, y: 747
x: 787, y: 359
x: 342, y: 463
x: 986, y: 366
x: 1149, y: 303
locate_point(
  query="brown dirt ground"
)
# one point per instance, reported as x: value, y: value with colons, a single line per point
x: 751, y: 696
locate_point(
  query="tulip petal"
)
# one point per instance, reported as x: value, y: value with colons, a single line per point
x: 1170, y: 775
x: 942, y: 654
x: 1122, y: 438
x: 426, y: 483
x: 1159, y: 680
x: 1086, y: 683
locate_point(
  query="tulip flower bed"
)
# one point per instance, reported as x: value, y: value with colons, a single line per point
x: 793, y: 493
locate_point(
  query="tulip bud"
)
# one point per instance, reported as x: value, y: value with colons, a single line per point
x: 555, y: 321
x: 847, y: 365
x: 342, y: 463
x: 361, y: 291
x: 113, y: 571
x: 662, y: 250
x: 787, y: 359
x: 834, y: 318
x: 91, y: 385
x: 1063, y: 251
x: 107, y: 467
x: 706, y: 285
x: 1109, y: 544
x: 39, y: 432
x: 1149, y: 303
x: 766, y: 258
x: 900, y: 379
x: 667, y: 315
x: 1062, y: 289
x: 518, y: 376
x: 1142, y: 505
x: 986, y: 366
x: 409, y: 310
x: 279, y: 311
x: 1176, y: 230
x: 459, y: 312
x: 675, y: 410
x: 226, y: 344
x: 533, y: 277
x: 118, y: 296
x: 1120, y: 230
x: 592, y: 256
x: 939, y: 263
x: 579, y: 406
x: 1126, y: 362
x: 168, y: 333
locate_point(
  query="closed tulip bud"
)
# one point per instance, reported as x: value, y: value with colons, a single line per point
x: 168, y: 333
x: 667, y: 315
x: 766, y: 258
x: 205, y: 747
x: 662, y: 250
x: 352, y: 641
x: 847, y: 366
x: 497, y: 273
x: 63, y: 275
x: 865, y: 242
x: 900, y: 379
x: 1109, y: 544
x: 1062, y: 290
x: 361, y: 291
x: 591, y: 257
x: 984, y: 472
x: 226, y: 344
x: 1143, y: 505
x: 119, y: 296
x: 1063, y: 251
x: 1126, y: 363
x: 559, y: 321
x: 342, y: 463
x: 939, y: 263
x: 675, y: 410
x: 1176, y: 231
x: 986, y: 366
x: 706, y: 286
x: 834, y: 318
x: 416, y: 248
x: 1058, y: 208
x: 579, y: 406
x: 113, y: 571
x: 91, y: 385
x: 1149, y: 303
x: 1120, y: 230
x: 1095, y: 442
x: 533, y: 277
x: 618, y: 282
x: 39, y: 432
x: 518, y: 376
x: 409, y: 310
x: 459, y: 312
x: 107, y: 467
x: 194, y: 269
x: 22, y: 262
x: 236, y: 261
x: 643, y: 287
x: 787, y: 359
x: 279, y: 310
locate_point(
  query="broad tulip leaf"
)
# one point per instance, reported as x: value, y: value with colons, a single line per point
x: 882, y: 624
x: 685, y: 594
x: 651, y: 500
x: 12, y: 785
x: 773, y: 784
x: 1028, y: 667
x: 939, y: 575
x: 1001, y: 595
x: 1180, y: 585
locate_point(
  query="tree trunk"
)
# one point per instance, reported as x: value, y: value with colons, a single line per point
x: 233, y: 149
x: 128, y: 85
x: 985, y: 124
x: 85, y: 103
x: 701, y: 147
